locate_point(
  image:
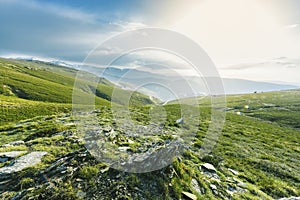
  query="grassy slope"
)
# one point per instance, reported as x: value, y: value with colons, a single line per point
x: 45, y: 82
x: 40, y: 82
x: 281, y: 107
x: 265, y: 153
x: 262, y: 143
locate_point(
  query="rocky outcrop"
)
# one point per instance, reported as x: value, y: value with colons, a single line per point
x: 5, y: 156
x: 23, y: 162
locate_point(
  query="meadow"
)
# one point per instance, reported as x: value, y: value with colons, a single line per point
x: 259, y: 141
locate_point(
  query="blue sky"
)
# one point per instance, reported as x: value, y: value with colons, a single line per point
x: 69, y: 29
x: 232, y: 32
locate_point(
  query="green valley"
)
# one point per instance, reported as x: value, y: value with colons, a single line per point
x: 256, y: 157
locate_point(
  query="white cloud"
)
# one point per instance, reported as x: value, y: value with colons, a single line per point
x: 292, y: 26
x: 50, y: 30
x: 58, y: 10
x: 279, y: 69
x: 127, y: 26
x: 235, y: 31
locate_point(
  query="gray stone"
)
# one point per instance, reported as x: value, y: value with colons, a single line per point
x: 208, y: 167
x: 3, y: 160
x: 180, y: 121
x: 213, y: 187
x: 123, y: 149
x: 195, y: 186
x: 189, y: 195
x: 10, y: 155
x: 233, y: 171
x: 16, y: 143
x: 23, y: 162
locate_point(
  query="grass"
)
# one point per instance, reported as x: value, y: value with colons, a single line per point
x: 260, y: 138
x: 40, y: 81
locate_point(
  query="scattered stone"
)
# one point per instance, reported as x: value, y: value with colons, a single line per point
x: 123, y: 149
x: 180, y: 121
x: 233, y: 171
x: 6, y: 145
x: 104, y: 170
x: 210, y: 171
x: 81, y: 194
x: 234, y: 189
x: 70, y: 124
x: 195, y: 186
x: 16, y: 143
x: 23, y: 162
x: 10, y: 155
x: 189, y: 195
x: 213, y: 187
x: 241, y: 184
x: 269, y: 105
x: 130, y: 141
x: 239, y: 113
x: 208, y: 167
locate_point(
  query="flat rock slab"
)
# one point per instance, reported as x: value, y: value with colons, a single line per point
x: 5, y: 156
x: 15, y: 143
x: 189, y: 195
x: 23, y: 162
x: 209, y: 167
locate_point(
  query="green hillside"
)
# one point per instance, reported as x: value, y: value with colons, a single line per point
x: 41, y: 82
x: 35, y: 80
x: 256, y: 156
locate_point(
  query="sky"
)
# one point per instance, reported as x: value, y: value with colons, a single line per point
x: 251, y: 39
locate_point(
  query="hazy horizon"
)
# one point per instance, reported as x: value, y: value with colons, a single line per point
x: 260, y: 45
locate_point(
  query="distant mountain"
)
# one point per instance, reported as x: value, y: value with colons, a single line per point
x: 172, y: 87
x: 169, y: 87
x: 241, y: 86
x: 280, y: 70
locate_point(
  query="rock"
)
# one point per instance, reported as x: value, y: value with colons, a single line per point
x: 10, y: 155
x: 23, y: 162
x: 233, y: 171
x: 234, y: 189
x: 130, y: 141
x: 290, y: 198
x: 70, y: 124
x: 104, y: 170
x: 208, y: 167
x: 239, y: 113
x: 16, y: 143
x: 241, y: 184
x: 123, y: 149
x: 6, y: 145
x: 189, y: 195
x: 3, y: 160
x: 213, y: 187
x: 81, y: 194
x: 180, y: 121
x: 210, y: 171
x: 195, y: 186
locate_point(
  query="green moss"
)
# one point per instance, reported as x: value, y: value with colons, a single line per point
x: 26, y: 183
x: 88, y: 172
